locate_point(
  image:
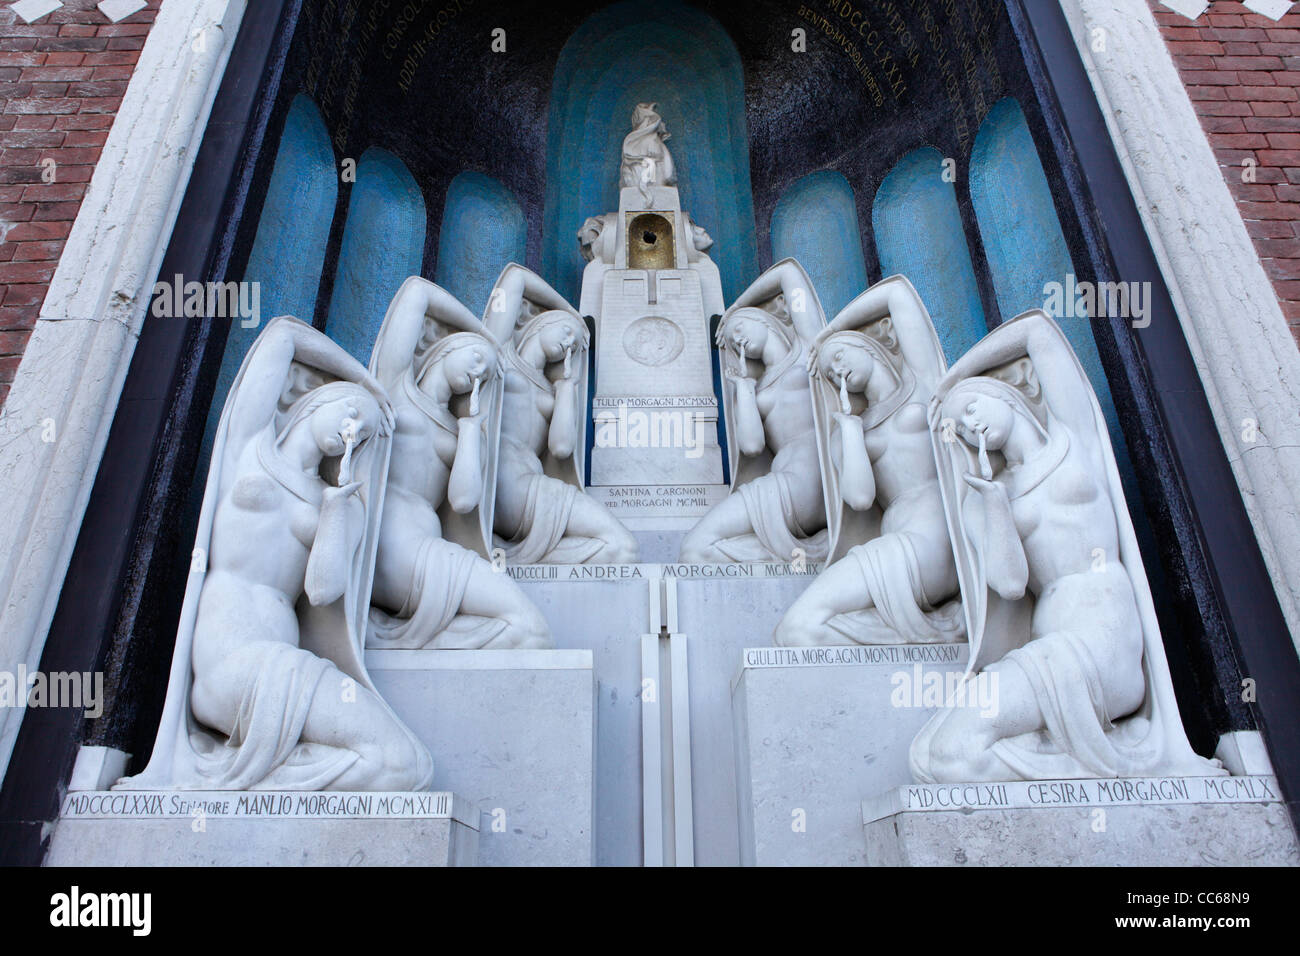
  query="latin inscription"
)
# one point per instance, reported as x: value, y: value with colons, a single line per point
x: 270, y: 804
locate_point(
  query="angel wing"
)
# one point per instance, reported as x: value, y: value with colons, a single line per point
x: 897, y: 326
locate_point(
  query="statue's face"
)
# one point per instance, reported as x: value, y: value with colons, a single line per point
x: 982, y: 414
x: 557, y: 339
x: 464, y: 367
x: 747, y: 336
x: 848, y: 363
x: 335, y: 422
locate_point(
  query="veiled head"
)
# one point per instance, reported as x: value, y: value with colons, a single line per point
x: 747, y: 331
x: 645, y: 114
x: 557, y: 332
x: 850, y: 357
x: 334, y: 414
x: 986, y: 406
x: 462, y: 359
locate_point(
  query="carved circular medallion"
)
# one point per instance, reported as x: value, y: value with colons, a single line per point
x: 653, y: 340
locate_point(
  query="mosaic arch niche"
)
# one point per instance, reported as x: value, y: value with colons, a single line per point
x: 288, y: 252
x: 918, y: 233
x: 816, y: 222
x: 383, y: 244
x: 483, y: 230
x: 683, y: 60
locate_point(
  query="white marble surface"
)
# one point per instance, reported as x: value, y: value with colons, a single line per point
x: 267, y: 828
x: 873, y: 371
x: 720, y: 609
x: 604, y: 610
x: 277, y: 601
x: 542, y: 515
x: 816, y: 728
x: 1158, y: 821
x: 512, y: 732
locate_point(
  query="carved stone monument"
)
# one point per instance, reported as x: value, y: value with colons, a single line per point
x: 404, y: 566
x: 1058, y: 610
x: 652, y: 290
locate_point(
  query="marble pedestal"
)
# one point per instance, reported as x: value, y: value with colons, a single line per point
x: 513, y: 732
x: 1162, y: 821
x: 719, y: 610
x: 263, y: 828
x: 815, y: 728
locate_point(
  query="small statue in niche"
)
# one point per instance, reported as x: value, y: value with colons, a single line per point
x: 1060, y: 619
x: 646, y: 160
x: 892, y: 579
x: 443, y: 373
x: 775, y: 511
x: 273, y: 623
x: 542, y: 514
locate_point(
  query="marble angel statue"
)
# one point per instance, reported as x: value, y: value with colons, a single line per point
x: 892, y: 578
x: 268, y: 688
x: 542, y: 514
x: 646, y: 160
x: 433, y: 586
x: 775, y: 511
x: 1059, y: 614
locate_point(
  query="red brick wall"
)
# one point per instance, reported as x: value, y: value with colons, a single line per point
x: 62, y: 79
x: 1243, y: 73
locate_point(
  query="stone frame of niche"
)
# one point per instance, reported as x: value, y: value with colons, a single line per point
x: 121, y: 594
x: 109, y: 615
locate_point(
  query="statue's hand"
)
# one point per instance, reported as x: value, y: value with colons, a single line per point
x: 342, y: 491
x: 983, y: 485
x: 738, y: 376
x: 934, y: 412
x: 848, y: 421
x: 472, y: 420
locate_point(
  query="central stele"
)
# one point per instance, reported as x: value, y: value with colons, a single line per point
x: 652, y: 290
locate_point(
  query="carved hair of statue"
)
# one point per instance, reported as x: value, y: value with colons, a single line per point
x: 777, y: 325
x: 772, y: 321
